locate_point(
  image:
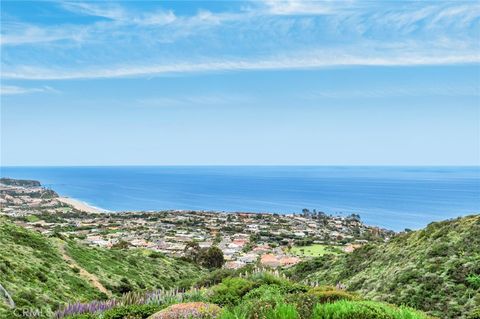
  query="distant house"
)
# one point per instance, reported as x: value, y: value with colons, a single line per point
x: 248, y: 258
x: 289, y: 261
x: 269, y: 260
x: 234, y: 264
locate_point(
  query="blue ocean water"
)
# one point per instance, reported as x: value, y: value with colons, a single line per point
x: 391, y: 197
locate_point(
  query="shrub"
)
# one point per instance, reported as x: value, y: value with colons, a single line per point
x: 230, y: 291
x: 123, y: 312
x: 211, y: 257
x: 364, y: 310
x: 261, y: 310
x: 235, y: 313
x: 190, y: 310
x: 474, y: 281
x: 124, y: 286
x: 131, y: 312
x: 266, y: 302
x: 475, y: 314
x: 285, y: 285
x: 305, y: 302
x: 260, y: 301
x: 282, y: 311
x: 330, y: 294
x: 268, y: 292
x: 214, y: 277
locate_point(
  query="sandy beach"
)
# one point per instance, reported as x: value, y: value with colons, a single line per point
x: 79, y: 205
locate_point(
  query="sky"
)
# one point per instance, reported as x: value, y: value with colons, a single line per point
x: 259, y: 82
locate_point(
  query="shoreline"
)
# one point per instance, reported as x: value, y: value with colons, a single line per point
x: 81, y: 206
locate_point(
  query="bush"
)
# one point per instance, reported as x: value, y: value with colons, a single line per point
x: 285, y: 285
x: 211, y: 257
x: 330, y: 294
x: 282, y: 311
x: 123, y: 312
x: 260, y: 302
x: 364, y: 310
x: 475, y: 314
x: 230, y: 291
x: 305, y: 302
x: 214, y: 277
x: 190, y: 310
x: 265, y: 292
x: 278, y: 311
x: 474, y: 281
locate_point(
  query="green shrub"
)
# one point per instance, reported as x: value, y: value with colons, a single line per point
x: 230, y: 291
x: 282, y: 311
x: 474, y: 281
x: 265, y: 292
x: 305, y: 302
x: 285, y: 285
x: 123, y: 312
x: 189, y: 310
x: 330, y: 294
x: 475, y: 314
x: 364, y: 310
x: 263, y: 302
x: 234, y: 313
x: 261, y: 309
x: 214, y: 277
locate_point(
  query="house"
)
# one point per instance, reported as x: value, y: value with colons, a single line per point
x: 234, y: 264
x: 269, y: 260
x: 289, y: 261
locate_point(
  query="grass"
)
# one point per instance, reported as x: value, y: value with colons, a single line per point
x: 34, y: 273
x: 258, y: 297
x: 433, y: 269
x: 132, y: 269
x: 32, y: 218
x: 364, y: 310
x: 316, y: 250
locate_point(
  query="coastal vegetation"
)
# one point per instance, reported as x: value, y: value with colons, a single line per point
x: 258, y: 294
x: 46, y: 272
x: 436, y: 269
x: 56, y: 260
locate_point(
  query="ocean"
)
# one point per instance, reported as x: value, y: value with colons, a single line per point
x: 390, y: 197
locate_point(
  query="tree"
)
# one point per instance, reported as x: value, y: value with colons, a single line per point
x: 305, y: 212
x: 211, y: 257
x: 121, y: 244
x: 192, y: 251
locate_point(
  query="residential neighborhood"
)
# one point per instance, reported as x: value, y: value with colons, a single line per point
x: 272, y: 240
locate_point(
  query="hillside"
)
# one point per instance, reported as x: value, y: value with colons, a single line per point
x: 436, y: 269
x: 45, y: 273
x: 245, y: 294
x: 19, y: 182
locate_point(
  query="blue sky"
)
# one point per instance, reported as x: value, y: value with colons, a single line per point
x: 253, y: 82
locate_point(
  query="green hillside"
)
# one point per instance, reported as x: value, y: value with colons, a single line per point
x: 257, y: 294
x: 436, y: 269
x: 41, y: 272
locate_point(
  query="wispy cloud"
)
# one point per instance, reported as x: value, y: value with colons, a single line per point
x: 196, y: 100
x: 264, y: 35
x: 16, y: 90
x: 390, y: 92
x: 104, y: 10
x: 304, y: 7
x: 310, y: 61
x: 28, y: 34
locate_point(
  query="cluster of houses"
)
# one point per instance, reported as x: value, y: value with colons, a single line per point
x: 244, y: 238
